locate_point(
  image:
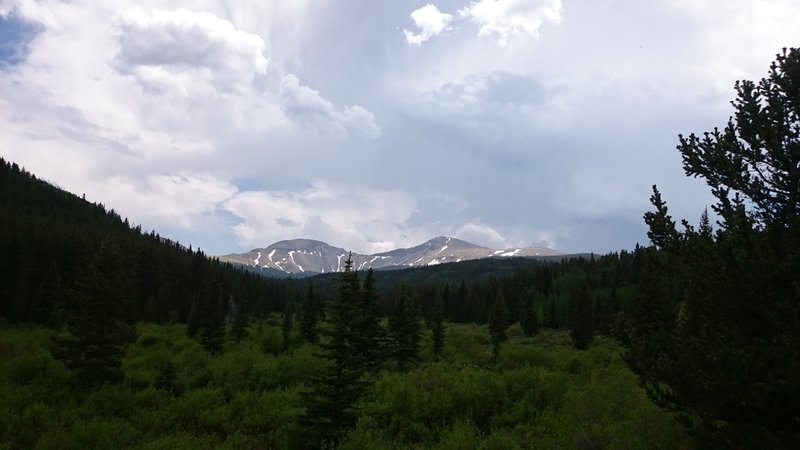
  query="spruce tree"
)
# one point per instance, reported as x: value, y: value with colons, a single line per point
x: 286, y: 326
x: 581, y: 329
x: 330, y: 406
x: 715, y: 336
x: 240, y: 321
x: 308, y: 317
x: 97, y: 334
x: 552, y: 322
x: 498, y: 322
x: 528, y: 318
x: 51, y: 310
x: 212, y: 320
x: 369, y: 345
x: 405, y: 329
x: 437, y: 327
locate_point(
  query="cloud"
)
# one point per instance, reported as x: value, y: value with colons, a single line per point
x: 430, y: 21
x: 508, y: 114
x: 310, y: 110
x: 365, y: 220
x: 185, y: 199
x: 239, y: 103
x: 173, y: 49
x: 507, y: 18
x: 482, y: 234
x: 493, y: 93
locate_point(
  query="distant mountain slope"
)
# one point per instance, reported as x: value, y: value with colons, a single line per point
x: 310, y: 256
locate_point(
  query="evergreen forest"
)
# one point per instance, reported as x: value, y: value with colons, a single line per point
x: 116, y: 337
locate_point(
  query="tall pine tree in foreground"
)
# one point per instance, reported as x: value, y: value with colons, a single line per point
x: 716, y: 337
x: 330, y: 406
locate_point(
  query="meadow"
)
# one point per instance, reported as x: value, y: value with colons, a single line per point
x: 540, y: 393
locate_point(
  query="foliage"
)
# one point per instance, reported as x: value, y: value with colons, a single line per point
x: 49, y: 239
x: 581, y: 318
x: 97, y: 335
x: 715, y: 331
x: 330, y: 406
x: 405, y: 329
x: 309, y: 316
x: 286, y: 326
x: 498, y: 322
x: 541, y: 394
x: 370, y: 336
x: 437, y: 328
x: 528, y: 316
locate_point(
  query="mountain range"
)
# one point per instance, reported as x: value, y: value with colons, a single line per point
x: 308, y: 256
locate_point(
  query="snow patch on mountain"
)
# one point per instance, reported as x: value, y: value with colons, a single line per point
x: 310, y: 256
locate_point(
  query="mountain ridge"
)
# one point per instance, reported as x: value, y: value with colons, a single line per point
x: 309, y: 256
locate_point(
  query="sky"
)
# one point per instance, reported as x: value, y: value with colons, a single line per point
x: 230, y: 125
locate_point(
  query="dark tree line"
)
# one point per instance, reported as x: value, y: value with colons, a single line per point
x: 72, y: 265
x: 50, y: 239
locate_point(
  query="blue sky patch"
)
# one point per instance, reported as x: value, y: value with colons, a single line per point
x: 15, y: 34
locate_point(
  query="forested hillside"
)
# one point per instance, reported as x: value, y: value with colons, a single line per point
x: 51, y: 241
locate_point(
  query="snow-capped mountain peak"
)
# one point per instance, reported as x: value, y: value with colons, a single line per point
x: 311, y: 256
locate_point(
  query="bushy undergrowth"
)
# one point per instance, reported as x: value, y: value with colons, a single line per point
x: 541, y: 393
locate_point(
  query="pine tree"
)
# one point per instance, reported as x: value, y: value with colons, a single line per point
x: 581, y: 317
x: 286, y: 326
x: 308, y: 317
x: 369, y: 333
x: 714, y: 333
x: 330, y: 407
x: 528, y: 318
x: 51, y: 310
x: 498, y: 322
x: 97, y: 334
x: 437, y: 327
x: 405, y: 329
x: 552, y: 322
x: 240, y: 321
x: 212, y: 320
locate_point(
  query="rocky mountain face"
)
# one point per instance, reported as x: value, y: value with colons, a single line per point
x: 310, y: 256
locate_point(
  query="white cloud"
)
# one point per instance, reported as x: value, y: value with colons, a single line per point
x: 482, y: 234
x: 507, y: 18
x: 185, y: 199
x: 741, y: 36
x: 30, y: 10
x: 310, y: 110
x: 589, y: 194
x: 430, y: 22
x: 149, y: 110
x: 364, y: 220
x: 172, y: 49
